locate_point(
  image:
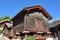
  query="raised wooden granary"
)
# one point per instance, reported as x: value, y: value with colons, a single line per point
x: 33, y: 19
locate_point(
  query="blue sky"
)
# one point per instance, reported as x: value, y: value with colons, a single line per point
x: 12, y: 7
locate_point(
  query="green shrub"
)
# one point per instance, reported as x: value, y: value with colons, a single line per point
x: 1, y: 31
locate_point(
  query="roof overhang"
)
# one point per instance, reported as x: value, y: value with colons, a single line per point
x: 31, y: 8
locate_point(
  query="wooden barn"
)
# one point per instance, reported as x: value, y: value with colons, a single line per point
x: 55, y: 28
x: 33, y: 19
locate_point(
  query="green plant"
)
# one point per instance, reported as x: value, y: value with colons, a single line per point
x: 5, y: 17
